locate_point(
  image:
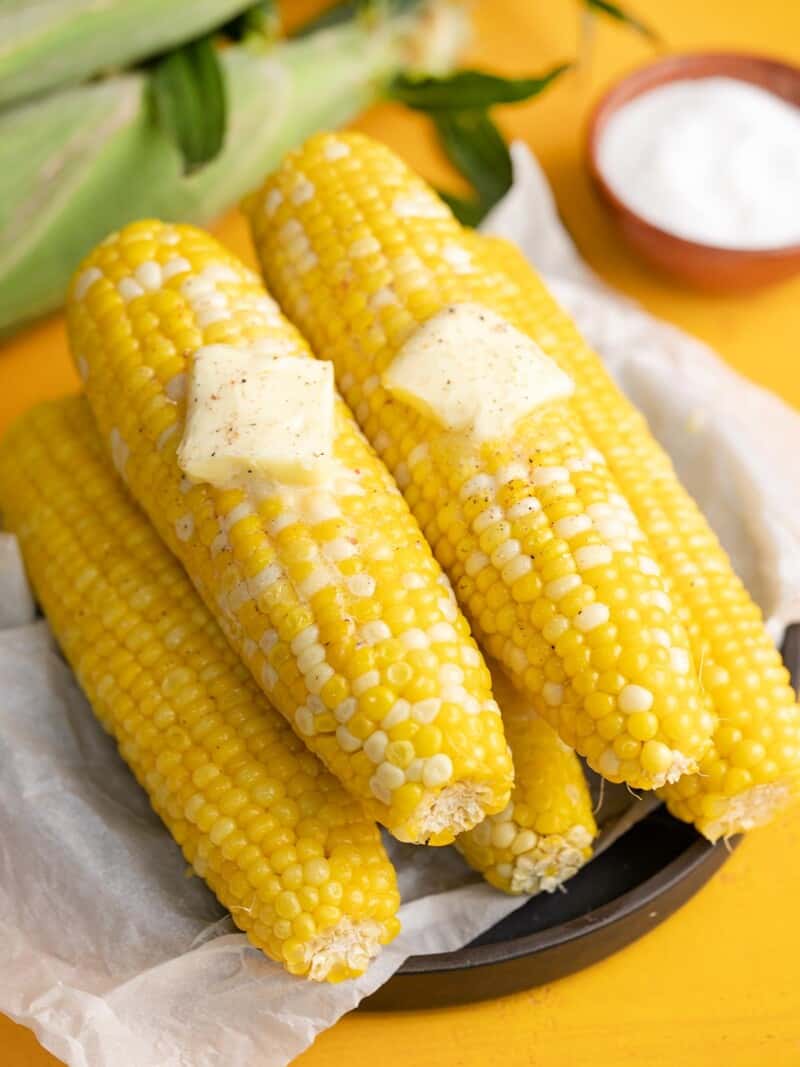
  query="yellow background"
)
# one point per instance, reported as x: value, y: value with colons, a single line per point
x: 718, y: 985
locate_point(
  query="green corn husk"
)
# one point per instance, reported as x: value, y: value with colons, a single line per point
x: 80, y: 162
x: 55, y: 42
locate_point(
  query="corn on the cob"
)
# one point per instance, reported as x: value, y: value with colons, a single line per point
x: 63, y: 41
x: 545, y: 834
x: 752, y: 769
x: 282, y: 845
x: 336, y: 603
x: 86, y: 159
x: 543, y: 551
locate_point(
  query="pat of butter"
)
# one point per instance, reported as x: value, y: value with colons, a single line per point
x: 251, y: 413
x: 474, y: 373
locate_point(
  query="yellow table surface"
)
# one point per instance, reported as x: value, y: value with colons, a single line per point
x: 718, y: 984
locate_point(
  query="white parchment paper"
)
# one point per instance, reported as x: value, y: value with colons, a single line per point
x: 110, y: 952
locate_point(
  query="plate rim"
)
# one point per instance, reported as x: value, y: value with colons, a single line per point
x: 605, y: 915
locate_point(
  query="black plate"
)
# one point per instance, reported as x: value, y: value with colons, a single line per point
x: 644, y: 877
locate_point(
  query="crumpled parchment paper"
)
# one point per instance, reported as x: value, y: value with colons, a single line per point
x: 110, y: 952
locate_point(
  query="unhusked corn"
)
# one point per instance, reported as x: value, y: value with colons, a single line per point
x: 545, y: 833
x: 546, y: 557
x: 752, y: 769
x: 296, y: 860
x: 332, y: 596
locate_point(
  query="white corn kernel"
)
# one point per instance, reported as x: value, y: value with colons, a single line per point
x: 425, y: 711
x: 415, y: 638
x: 478, y: 485
x: 590, y: 617
x: 571, y: 525
x: 438, y: 770
x: 592, y: 556
x: 487, y: 518
x: 516, y: 569
x: 505, y: 553
x: 552, y: 693
x: 361, y: 585
x: 442, y: 632
x: 380, y: 791
x: 524, y: 507
x: 339, y: 548
x: 389, y: 776
x: 476, y: 563
x: 346, y: 710
x: 85, y: 282
x: 318, y: 676
x: 511, y: 473
x: 184, y: 527
x: 374, y: 632
x: 266, y: 577
x: 648, y: 565
x: 660, y: 599
x: 375, y: 745
x: 366, y: 681
x: 412, y: 580
x: 503, y: 833
x: 304, y: 721
x: 680, y: 660
x: 347, y: 742
x: 524, y: 842
x: 451, y: 674
x: 307, y: 637
x: 128, y: 288
x: 269, y: 640
x: 399, y: 713
x: 549, y: 475
x: 418, y: 455
x: 309, y: 657
x: 608, y: 764
x: 560, y: 587
x: 635, y: 698
x: 555, y: 628
x: 414, y: 770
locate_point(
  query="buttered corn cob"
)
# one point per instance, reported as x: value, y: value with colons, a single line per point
x: 331, y: 596
x: 545, y: 555
x: 752, y: 769
x: 545, y: 834
x: 295, y: 859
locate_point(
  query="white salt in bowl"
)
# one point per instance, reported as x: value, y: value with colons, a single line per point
x: 701, y: 265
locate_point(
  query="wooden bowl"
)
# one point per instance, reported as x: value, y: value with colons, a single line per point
x: 701, y: 265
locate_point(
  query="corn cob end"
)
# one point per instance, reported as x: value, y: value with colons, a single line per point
x: 723, y: 818
x: 522, y: 862
x: 755, y: 807
x: 441, y: 816
x: 346, y: 950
